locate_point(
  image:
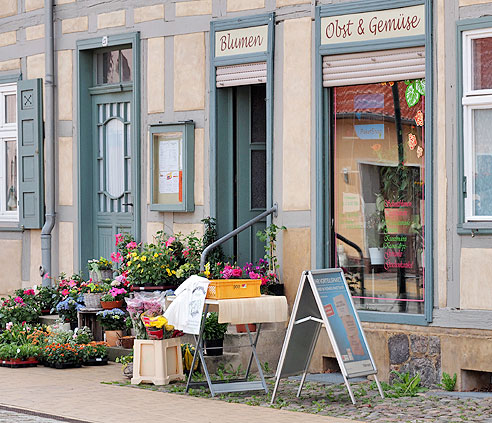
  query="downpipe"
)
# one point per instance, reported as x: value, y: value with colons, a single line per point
x: 45, y: 268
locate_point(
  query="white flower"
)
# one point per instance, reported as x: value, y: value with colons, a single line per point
x: 18, y: 350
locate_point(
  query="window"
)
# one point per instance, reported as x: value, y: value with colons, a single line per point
x: 8, y: 153
x: 477, y: 115
x: 114, y: 67
x: 378, y: 135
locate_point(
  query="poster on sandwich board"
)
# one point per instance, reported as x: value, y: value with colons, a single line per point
x: 323, y: 300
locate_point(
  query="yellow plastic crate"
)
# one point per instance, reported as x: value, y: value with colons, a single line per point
x: 225, y: 289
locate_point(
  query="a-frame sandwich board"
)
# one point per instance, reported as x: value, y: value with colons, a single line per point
x: 323, y: 299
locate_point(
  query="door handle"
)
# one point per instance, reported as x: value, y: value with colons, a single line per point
x: 127, y: 204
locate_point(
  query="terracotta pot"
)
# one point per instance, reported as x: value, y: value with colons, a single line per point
x: 398, y: 219
x: 113, y: 337
x: 108, y: 305
x: 242, y: 328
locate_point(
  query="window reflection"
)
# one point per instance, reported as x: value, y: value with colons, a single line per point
x: 379, y: 205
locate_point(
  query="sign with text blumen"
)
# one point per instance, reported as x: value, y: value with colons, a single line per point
x: 231, y: 42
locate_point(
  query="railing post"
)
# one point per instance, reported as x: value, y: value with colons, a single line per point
x: 233, y: 233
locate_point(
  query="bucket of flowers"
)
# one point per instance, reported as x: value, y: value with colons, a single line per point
x: 100, y: 270
x: 157, y: 326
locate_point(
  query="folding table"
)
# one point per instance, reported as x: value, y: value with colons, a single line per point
x: 264, y: 309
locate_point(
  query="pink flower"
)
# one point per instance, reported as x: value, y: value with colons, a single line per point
x: 65, y: 292
x: 170, y: 240
x: 9, y: 325
x: 18, y: 300
x: 131, y: 245
x: 116, y: 257
x: 237, y: 272
x: 119, y: 238
x: 72, y: 283
x: 29, y: 292
x: 186, y: 253
x: 263, y: 281
x: 253, y: 275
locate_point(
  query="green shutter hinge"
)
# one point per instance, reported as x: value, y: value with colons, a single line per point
x: 464, y: 186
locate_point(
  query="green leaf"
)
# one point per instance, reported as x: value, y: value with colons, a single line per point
x: 412, y: 95
x: 420, y: 86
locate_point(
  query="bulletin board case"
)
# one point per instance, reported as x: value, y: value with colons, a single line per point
x: 172, y: 167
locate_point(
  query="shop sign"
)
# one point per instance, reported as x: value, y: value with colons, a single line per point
x: 241, y: 41
x: 372, y: 26
x: 373, y: 131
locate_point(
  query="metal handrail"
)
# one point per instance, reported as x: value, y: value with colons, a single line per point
x: 228, y: 236
x: 361, y: 265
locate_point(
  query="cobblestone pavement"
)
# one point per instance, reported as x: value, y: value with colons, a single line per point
x: 333, y: 400
x: 10, y: 416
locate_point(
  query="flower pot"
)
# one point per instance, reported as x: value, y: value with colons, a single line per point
x: 398, y: 219
x: 113, y: 337
x: 127, y: 342
x: 276, y: 289
x: 93, y: 300
x: 242, y: 328
x: 109, y: 305
x: 376, y: 255
x: 214, y: 346
x: 100, y: 275
x: 155, y: 333
x: 96, y: 362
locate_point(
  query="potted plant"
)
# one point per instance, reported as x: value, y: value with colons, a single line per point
x: 95, y: 291
x: 100, y: 270
x: 213, y: 334
x: 67, y: 309
x: 47, y: 298
x: 113, y: 298
x: 375, y: 224
x: 270, y: 279
x: 23, y: 355
x: 62, y: 355
x: 113, y: 323
x: 95, y: 354
x: 19, y: 308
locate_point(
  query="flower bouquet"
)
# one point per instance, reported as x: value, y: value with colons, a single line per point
x: 157, y: 326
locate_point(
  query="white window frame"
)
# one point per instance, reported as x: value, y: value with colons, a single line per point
x: 8, y: 132
x: 472, y: 100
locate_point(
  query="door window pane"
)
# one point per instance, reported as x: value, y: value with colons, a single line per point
x: 258, y: 113
x: 481, y: 60
x: 107, y: 67
x: 126, y: 64
x: 482, y: 163
x: 379, y: 176
x: 115, y: 158
x: 258, y: 179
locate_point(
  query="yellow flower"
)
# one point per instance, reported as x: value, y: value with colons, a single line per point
x: 143, y: 258
x: 134, y: 254
x: 138, y: 265
x: 156, y: 255
x: 130, y: 263
x: 174, y: 272
x: 168, y: 271
x: 169, y: 327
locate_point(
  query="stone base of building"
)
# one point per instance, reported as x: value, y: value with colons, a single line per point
x: 430, y: 351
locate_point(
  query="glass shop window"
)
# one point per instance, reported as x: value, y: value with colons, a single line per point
x: 379, y: 206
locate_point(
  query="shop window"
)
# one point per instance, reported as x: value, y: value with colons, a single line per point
x: 378, y: 135
x: 8, y: 153
x: 477, y: 115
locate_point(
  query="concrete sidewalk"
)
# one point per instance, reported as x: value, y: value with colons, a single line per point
x: 79, y: 394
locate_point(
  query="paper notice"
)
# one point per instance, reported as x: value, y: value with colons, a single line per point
x: 168, y: 182
x: 169, y: 156
x: 349, y: 324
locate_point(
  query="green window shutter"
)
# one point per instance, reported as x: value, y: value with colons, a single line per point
x: 30, y: 150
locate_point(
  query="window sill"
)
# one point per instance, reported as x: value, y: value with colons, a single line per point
x: 397, y: 318
x: 474, y: 228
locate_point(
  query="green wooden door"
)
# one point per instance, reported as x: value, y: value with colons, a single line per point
x: 241, y: 169
x: 112, y: 166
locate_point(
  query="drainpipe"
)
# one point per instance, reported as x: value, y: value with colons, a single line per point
x: 45, y: 269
